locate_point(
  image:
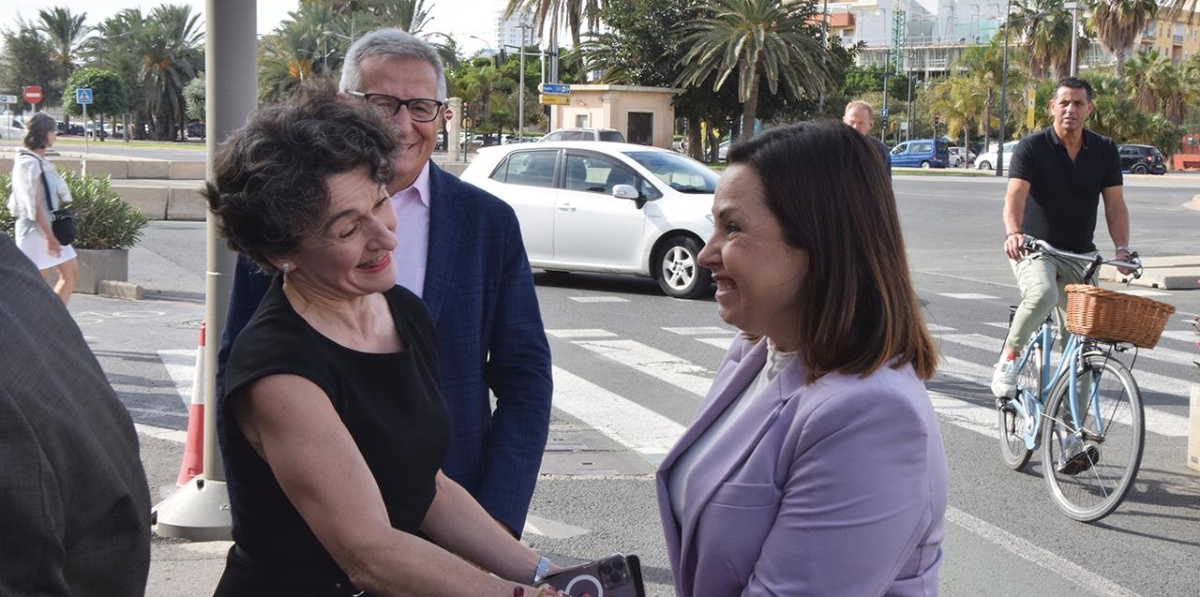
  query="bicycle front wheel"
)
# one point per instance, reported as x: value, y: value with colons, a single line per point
x: 1090, y: 467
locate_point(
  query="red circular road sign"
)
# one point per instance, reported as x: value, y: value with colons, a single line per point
x: 449, y: 114
x: 32, y: 94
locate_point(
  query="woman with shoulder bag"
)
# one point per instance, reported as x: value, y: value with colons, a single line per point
x: 37, y: 191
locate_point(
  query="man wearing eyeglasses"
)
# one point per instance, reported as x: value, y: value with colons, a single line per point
x: 460, y: 249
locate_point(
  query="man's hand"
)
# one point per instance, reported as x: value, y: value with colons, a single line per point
x: 1124, y: 255
x: 1012, y: 245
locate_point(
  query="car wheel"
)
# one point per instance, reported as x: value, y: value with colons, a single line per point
x: 678, y: 271
x: 1137, y: 169
x: 984, y: 165
x: 926, y: 165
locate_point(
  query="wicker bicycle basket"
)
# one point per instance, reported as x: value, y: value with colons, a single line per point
x: 1114, y: 316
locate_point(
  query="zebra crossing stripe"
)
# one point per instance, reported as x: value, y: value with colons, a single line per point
x: 1147, y: 381
x: 1157, y: 420
x: 700, y: 331
x: 653, y: 362
x: 582, y: 333
x: 970, y: 296
x: 181, y: 367
x: 599, y: 299
x: 626, y: 422
x: 722, y: 343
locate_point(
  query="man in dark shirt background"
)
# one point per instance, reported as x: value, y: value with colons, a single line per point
x: 1056, y: 178
x: 859, y: 116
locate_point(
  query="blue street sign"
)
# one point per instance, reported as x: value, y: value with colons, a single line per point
x: 883, y: 112
x: 556, y: 89
x: 83, y: 95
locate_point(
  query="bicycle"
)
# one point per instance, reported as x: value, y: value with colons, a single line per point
x: 1090, y: 454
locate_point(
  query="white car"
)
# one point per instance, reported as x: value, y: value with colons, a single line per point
x: 590, y: 206
x: 987, y: 161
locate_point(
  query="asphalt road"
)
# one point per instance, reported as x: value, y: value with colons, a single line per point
x: 631, y: 366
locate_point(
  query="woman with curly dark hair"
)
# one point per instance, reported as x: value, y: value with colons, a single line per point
x: 331, y: 418
x: 32, y: 206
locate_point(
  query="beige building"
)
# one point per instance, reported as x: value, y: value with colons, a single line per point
x: 644, y: 115
x: 1176, y: 41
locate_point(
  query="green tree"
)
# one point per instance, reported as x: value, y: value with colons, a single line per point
x: 116, y: 47
x: 769, y: 41
x: 27, y: 62
x: 108, y: 93
x: 193, y: 94
x: 66, y: 32
x: 172, y: 55
x: 550, y: 16
x: 1118, y: 23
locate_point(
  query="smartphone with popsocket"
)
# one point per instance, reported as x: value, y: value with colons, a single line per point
x: 618, y: 575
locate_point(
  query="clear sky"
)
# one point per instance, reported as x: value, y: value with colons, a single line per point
x: 458, y: 18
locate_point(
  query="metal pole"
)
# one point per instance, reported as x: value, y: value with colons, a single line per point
x: 1003, y: 93
x: 200, y: 509
x: 521, y: 92
x: 824, y: 48
x: 1074, y: 38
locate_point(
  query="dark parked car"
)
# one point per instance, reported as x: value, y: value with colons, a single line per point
x: 71, y: 129
x: 1142, y: 159
x: 195, y: 130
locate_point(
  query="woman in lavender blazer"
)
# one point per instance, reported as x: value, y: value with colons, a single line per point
x: 815, y: 465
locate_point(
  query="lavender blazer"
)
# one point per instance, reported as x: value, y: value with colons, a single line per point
x: 833, y: 489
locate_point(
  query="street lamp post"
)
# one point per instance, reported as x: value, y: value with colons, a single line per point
x: 1003, y: 91
x: 1074, y: 8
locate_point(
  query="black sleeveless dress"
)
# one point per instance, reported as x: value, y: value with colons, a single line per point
x: 390, y: 403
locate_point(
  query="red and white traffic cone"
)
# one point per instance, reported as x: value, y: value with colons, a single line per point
x: 193, y: 452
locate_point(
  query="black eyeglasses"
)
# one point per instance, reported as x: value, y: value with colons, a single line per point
x: 420, y: 109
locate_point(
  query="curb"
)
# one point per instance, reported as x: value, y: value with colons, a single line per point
x: 121, y: 290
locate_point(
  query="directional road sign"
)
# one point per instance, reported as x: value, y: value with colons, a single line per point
x: 83, y: 95
x: 554, y: 100
x: 556, y: 89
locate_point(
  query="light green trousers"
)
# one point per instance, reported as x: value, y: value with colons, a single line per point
x: 1041, y: 279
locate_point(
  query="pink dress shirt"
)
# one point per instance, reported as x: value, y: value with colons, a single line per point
x: 412, y: 233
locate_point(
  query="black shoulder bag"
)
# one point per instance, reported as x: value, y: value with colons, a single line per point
x: 62, y: 221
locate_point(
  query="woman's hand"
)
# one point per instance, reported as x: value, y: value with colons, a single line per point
x: 52, y: 246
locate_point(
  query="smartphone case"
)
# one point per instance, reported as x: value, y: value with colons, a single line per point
x: 618, y: 575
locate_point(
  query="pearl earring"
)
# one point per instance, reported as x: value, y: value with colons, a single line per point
x: 287, y: 267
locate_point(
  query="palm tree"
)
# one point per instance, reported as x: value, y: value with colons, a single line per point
x: 982, y: 66
x: 551, y: 15
x: 170, y: 50
x: 115, y: 48
x: 66, y: 32
x: 763, y: 40
x: 1043, y: 27
x: 1118, y: 24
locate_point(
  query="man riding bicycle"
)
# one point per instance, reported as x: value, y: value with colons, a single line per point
x: 1056, y: 177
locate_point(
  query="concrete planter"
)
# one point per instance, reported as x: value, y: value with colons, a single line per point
x: 96, y: 265
x: 1193, y: 457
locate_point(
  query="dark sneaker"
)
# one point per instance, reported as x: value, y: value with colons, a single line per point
x: 1080, y: 462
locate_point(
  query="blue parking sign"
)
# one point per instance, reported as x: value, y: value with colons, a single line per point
x: 883, y: 112
x: 83, y: 95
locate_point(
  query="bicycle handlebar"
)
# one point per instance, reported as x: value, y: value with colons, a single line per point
x: 1035, y: 245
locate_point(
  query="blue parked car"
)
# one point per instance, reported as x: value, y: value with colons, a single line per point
x: 924, y: 153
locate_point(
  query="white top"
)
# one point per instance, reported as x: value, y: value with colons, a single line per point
x: 27, y: 189
x: 412, y: 233
x: 682, y: 470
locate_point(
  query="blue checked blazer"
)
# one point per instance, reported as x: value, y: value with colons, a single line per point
x: 480, y: 293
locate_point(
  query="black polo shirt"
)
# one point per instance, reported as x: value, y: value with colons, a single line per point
x: 1064, y: 196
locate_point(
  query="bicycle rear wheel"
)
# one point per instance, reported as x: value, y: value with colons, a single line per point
x: 1089, y: 469
x: 1013, y: 425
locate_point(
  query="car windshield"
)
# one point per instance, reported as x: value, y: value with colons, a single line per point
x: 679, y: 172
x: 614, y: 136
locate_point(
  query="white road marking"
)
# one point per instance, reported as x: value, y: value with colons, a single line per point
x: 628, y: 423
x: 599, y: 299
x: 1157, y: 421
x: 171, y: 435
x: 181, y: 366
x: 1146, y: 380
x: 552, y: 528
x: 582, y: 333
x: 971, y: 296
x: 653, y: 362
x: 935, y: 328
x: 722, y: 343
x: 1144, y: 292
x: 700, y: 331
x: 1190, y: 337
x: 1055, y: 563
